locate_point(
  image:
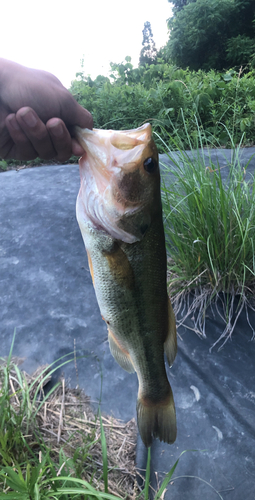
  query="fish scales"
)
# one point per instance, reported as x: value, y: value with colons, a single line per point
x: 124, y: 238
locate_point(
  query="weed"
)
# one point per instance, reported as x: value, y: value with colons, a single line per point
x: 163, y: 94
x: 210, y: 232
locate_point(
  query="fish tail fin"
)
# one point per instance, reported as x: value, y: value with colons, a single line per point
x: 157, y: 420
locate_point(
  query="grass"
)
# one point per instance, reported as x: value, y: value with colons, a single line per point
x: 210, y: 233
x: 55, y: 447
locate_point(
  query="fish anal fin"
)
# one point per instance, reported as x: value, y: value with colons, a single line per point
x: 157, y: 420
x: 120, y: 355
x: 170, y: 344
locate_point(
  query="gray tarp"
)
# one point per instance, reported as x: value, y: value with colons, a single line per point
x: 46, y: 294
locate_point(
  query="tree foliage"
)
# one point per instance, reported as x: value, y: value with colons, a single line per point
x: 245, y: 18
x: 179, y: 4
x: 212, y: 33
x: 148, y: 53
x: 240, y: 49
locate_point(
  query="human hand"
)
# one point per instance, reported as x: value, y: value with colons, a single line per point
x: 37, y: 115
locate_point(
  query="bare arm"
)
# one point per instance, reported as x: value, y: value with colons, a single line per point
x: 37, y: 115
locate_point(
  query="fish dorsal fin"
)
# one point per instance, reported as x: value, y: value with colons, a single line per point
x: 120, y: 355
x: 170, y: 344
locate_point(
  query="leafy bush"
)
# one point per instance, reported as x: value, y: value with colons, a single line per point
x: 163, y: 94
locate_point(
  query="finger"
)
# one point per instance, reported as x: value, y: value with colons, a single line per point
x: 60, y: 138
x: 20, y: 148
x: 37, y: 133
x: 73, y: 114
x: 6, y: 142
x: 77, y: 150
x: 81, y: 117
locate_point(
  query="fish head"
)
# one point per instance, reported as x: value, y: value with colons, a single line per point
x: 120, y: 181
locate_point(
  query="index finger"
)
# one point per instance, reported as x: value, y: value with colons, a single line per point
x: 74, y: 114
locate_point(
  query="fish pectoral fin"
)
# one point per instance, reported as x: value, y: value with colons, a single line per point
x: 157, y: 420
x: 170, y: 344
x: 91, y: 267
x: 120, y: 355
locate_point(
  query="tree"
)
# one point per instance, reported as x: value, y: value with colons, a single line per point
x: 148, y: 53
x: 245, y: 20
x: 240, y: 50
x: 202, y: 30
x: 179, y: 4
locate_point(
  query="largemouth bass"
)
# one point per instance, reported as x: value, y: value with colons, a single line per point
x: 120, y: 216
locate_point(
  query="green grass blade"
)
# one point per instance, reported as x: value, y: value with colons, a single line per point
x: 11, y: 348
x: 104, y: 454
x: 14, y: 480
x: 147, y: 475
x: 9, y: 495
x: 168, y: 478
x: 82, y: 491
x: 90, y: 489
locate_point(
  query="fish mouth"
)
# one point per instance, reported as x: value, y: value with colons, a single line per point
x: 114, y: 149
x: 111, y: 163
x: 104, y: 200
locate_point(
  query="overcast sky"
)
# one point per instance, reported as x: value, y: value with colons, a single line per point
x: 55, y: 35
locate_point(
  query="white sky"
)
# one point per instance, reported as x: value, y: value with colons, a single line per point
x: 54, y: 35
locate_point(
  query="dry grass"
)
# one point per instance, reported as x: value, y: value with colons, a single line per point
x: 192, y: 306
x: 65, y: 420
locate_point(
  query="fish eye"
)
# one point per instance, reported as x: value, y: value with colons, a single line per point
x: 150, y: 165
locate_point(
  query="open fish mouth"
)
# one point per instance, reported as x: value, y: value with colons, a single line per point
x: 112, y: 181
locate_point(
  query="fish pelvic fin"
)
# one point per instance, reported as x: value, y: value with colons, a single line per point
x: 157, y: 420
x: 170, y: 344
x: 120, y: 355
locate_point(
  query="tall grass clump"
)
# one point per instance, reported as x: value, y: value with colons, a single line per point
x: 210, y: 230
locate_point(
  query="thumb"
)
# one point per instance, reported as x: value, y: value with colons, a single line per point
x: 74, y: 114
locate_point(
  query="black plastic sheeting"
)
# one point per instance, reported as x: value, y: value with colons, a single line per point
x: 46, y: 294
x: 215, y: 398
